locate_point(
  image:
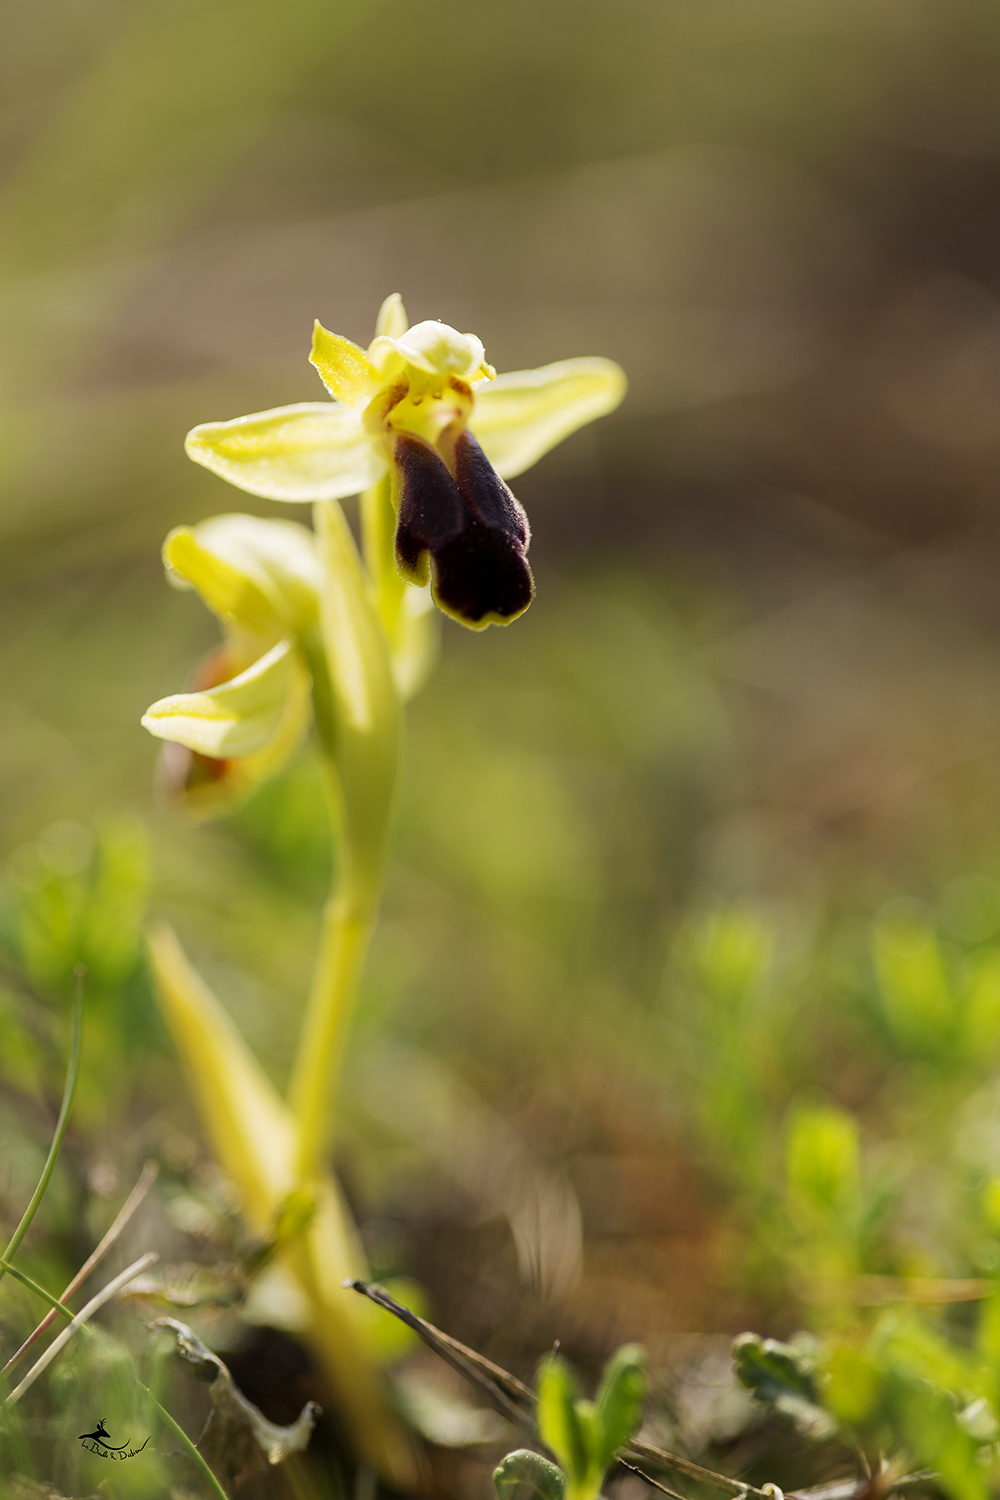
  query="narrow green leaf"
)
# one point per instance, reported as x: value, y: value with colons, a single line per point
x: 39, y: 1291
x: 559, y: 1424
x: 360, y: 726
x: 72, y: 1075
x: 619, y: 1402
x: 189, y: 1448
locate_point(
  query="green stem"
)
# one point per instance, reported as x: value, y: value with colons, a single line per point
x: 358, y: 723
x: 348, y: 920
x: 72, y: 1075
x: 185, y: 1442
x: 39, y: 1291
x: 378, y: 531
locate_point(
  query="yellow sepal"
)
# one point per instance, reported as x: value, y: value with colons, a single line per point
x: 343, y: 367
x: 239, y: 717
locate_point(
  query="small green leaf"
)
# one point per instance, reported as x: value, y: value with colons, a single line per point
x: 916, y: 995
x: 522, y: 1467
x: 559, y: 1424
x: 619, y: 1402
x: 783, y: 1377
x: 771, y: 1369
x: 822, y: 1165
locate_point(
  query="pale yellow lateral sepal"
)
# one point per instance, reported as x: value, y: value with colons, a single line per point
x: 239, y: 717
x: 519, y: 416
x: 315, y: 450
x: 343, y: 367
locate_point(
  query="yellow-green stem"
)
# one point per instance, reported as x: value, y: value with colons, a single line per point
x: 378, y: 528
x: 348, y: 919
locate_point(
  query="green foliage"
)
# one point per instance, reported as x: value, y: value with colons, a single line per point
x: 524, y: 1470
x: 903, y: 1387
x: 783, y: 1376
x: 81, y: 898
x: 583, y: 1435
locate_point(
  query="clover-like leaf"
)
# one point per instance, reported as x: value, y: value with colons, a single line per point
x: 524, y: 1469
x: 783, y: 1377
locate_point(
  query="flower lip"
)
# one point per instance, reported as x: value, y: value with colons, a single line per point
x: 469, y: 524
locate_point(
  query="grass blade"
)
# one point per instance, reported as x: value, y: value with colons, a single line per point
x: 39, y: 1291
x: 72, y: 1075
x: 185, y: 1442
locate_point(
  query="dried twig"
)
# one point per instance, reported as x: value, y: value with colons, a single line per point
x: 514, y: 1400
x: 82, y: 1317
x: 501, y: 1388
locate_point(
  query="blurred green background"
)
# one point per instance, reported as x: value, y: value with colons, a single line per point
x: 704, y: 847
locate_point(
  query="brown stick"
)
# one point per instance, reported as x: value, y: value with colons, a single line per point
x: 146, y: 1179
x: 506, y: 1392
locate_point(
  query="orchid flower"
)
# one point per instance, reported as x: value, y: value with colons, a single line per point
x: 312, y: 632
x: 422, y: 405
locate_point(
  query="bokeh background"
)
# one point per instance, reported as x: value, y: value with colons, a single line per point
x: 701, y: 851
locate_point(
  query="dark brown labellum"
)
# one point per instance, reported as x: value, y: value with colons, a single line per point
x: 469, y: 525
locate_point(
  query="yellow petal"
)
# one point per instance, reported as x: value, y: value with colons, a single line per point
x: 519, y: 416
x: 263, y: 575
x: 392, y: 321
x: 316, y: 450
x: 239, y: 717
x: 343, y: 367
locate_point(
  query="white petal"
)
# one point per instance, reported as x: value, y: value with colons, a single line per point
x: 519, y: 416
x: 236, y: 718
x: 317, y: 450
